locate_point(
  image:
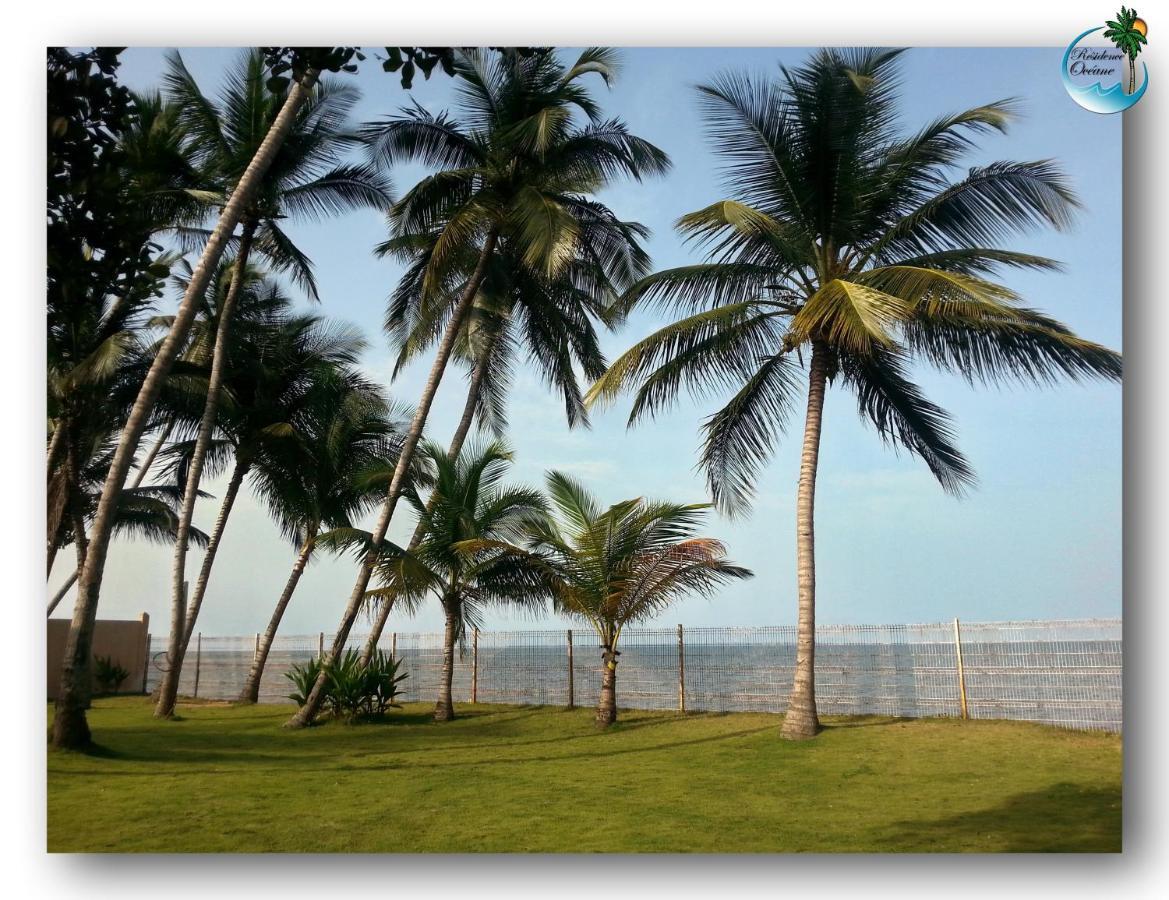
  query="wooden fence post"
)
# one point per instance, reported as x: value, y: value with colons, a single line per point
x: 961, y: 670
x: 571, y: 697
x: 198, y: 661
x: 320, y: 646
x: 681, y: 672
x: 475, y: 667
x: 256, y: 647
x: 394, y: 645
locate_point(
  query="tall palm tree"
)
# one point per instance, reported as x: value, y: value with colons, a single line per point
x: 324, y: 482
x: 848, y: 246
x: 517, y: 174
x: 306, y: 177
x: 70, y: 728
x: 468, y: 503
x: 612, y: 567
x: 1127, y: 33
x: 275, y: 375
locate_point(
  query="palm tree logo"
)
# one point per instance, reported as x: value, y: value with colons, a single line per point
x: 1129, y: 33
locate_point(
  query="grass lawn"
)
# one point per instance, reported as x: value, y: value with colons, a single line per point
x: 505, y: 778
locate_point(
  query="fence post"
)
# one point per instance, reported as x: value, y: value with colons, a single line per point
x: 394, y: 645
x: 320, y: 646
x: 475, y: 667
x: 961, y: 671
x: 571, y: 697
x: 256, y: 647
x: 681, y: 672
x: 146, y: 665
x: 198, y: 661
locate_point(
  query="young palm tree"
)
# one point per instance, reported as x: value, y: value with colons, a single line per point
x: 517, y: 174
x: 306, y: 177
x: 612, y: 567
x: 275, y: 377
x: 468, y: 504
x: 849, y: 247
x: 324, y: 482
x: 1128, y: 34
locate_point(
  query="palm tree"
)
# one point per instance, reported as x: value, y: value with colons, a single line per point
x: 1128, y: 32
x: 514, y: 308
x: 275, y: 375
x: 517, y: 175
x: 615, y: 566
x: 70, y: 728
x: 324, y: 482
x: 306, y: 177
x: 846, y: 245
x: 468, y: 504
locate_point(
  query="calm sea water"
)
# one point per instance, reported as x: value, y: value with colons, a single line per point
x: 1070, y: 683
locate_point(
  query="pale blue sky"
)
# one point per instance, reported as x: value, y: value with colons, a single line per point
x: 1039, y: 537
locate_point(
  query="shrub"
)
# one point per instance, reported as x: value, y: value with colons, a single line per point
x: 108, y: 674
x: 382, y: 680
x: 303, y: 678
x: 352, y: 691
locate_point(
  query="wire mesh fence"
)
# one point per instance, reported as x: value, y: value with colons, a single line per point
x: 1065, y: 673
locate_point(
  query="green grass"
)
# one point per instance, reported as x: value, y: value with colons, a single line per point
x: 539, y: 779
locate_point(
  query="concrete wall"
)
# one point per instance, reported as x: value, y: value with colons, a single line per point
x: 123, y: 640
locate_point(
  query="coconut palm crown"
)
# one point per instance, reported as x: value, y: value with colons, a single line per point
x: 852, y: 249
x: 612, y: 566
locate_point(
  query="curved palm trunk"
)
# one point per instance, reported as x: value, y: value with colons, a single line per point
x: 800, y: 721
x: 56, y: 493
x: 307, y: 713
x: 168, y: 690
x: 607, y: 705
x: 70, y: 728
x: 444, y: 708
x: 453, y: 450
x: 251, y: 691
x: 62, y: 591
x: 150, y: 457
x: 176, y: 646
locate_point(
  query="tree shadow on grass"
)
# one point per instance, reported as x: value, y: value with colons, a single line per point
x: 1064, y: 818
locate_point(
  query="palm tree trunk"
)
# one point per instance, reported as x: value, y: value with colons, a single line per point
x: 57, y: 490
x: 149, y: 461
x: 1132, y: 75
x: 444, y: 709
x: 177, y: 643
x: 607, y: 705
x: 251, y: 691
x: 168, y: 690
x: 305, y: 715
x: 801, y: 721
x: 453, y: 450
x: 70, y: 728
x: 62, y: 591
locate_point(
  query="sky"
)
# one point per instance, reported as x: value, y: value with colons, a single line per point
x: 1039, y: 537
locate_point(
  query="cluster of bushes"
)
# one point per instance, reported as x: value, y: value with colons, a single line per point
x: 352, y: 691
